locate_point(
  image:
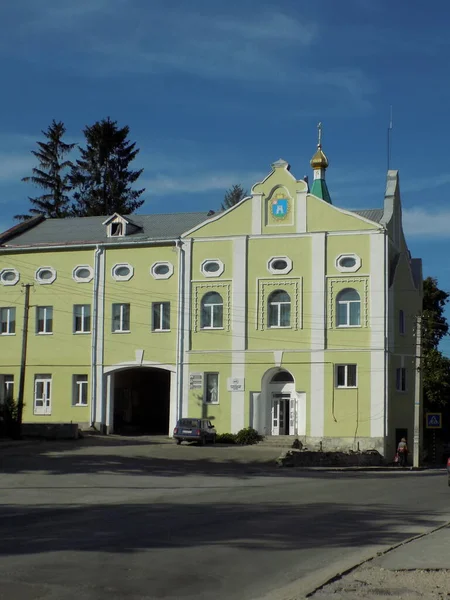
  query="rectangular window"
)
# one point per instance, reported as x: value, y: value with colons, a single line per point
x: 121, y: 318
x: 7, y: 321
x: 346, y: 376
x: 161, y: 316
x: 6, y: 388
x: 44, y: 319
x: 211, y: 388
x: 80, y: 390
x: 400, y: 379
x: 43, y: 394
x: 81, y: 318
x: 401, y: 322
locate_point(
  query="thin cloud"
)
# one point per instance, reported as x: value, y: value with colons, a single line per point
x: 421, y: 223
x: 207, y: 182
x: 14, y: 167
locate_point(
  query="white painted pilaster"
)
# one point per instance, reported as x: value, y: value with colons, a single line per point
x: 318, y: 291
x: 317, y: 400
x: 100, y: 396
x: 173, y: 412
x: 186, y: 341
x: 239, y: 329
x: 301, y: 212
x: 257, y: 214
x: 377, y: 310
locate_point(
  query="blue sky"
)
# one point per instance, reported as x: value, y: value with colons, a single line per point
x: 215, y: 91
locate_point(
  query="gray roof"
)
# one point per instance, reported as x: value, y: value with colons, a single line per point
x: 373, y: 214
x: 90, y: 230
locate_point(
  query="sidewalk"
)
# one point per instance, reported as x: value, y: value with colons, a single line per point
x: 416, y: 569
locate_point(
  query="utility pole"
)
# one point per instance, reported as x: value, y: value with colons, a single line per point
x: 418, y: 406
x: 23, y: 359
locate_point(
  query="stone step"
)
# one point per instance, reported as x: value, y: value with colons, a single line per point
x: 282, y: 441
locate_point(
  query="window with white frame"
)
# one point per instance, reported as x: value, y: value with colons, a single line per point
x: 120, y: 318
x: 44, y: 319
x: 211, y: 388
x: 279, y: 309
x: 348, y: 305
x: 83, y: 273
x: 81, y: 318
x: 400, y: 379
x: 9, y: 276
x: 348, y: 263
x: 279, y: 265
x: 6, y: 388
x: 212, y: 267
x: 45, y: 275
x: 401, y: 322
x: 346, y: 376
x: 161, y: 316
x: 122, y: 272
x: 212, y: 311
x: 7, y: 320
x: 42, y: 394
x: 161, y: 270
x: 80, y: 390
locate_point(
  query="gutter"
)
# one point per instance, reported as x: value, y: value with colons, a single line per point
x: 386, y: 337
x: 180, y: 336
x: 85, y: 246
x: 94, y: 343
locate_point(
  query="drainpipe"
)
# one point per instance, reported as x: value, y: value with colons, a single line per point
x: 387, y: 316
x: 180, y: 334
x: 97, y: 255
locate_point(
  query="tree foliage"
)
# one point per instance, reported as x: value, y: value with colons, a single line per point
x: 101, y: 178
x: 52, y: 175
x: 234, y: 195
x: 435, y: 366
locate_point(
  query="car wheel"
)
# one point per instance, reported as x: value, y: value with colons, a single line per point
x: 178, y: 442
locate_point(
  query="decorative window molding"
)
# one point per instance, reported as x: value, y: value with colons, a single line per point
x: 45, y: 275
x: 122, y: 272
x: 279, y: 265
x: 199, y: 289
x: 83, y: 273
x: 9, y: 276
x: 161, y: 270
x: 293, y: 286
x: 336, y: 285
x: 348, y: 263
x: 212, y: 267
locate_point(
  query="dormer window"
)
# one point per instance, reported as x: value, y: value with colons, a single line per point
x: 118, y: 226
x: 116, y: 229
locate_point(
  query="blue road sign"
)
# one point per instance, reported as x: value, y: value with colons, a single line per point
x: 434, y: 420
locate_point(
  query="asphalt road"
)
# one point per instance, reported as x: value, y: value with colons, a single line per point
x: 134, y: 521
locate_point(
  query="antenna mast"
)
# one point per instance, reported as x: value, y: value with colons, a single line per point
x: 389, y: 141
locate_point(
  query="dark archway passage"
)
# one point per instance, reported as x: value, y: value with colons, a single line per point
x: 141, y: 401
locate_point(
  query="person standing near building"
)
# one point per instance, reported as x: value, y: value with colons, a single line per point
x: 402, y: 451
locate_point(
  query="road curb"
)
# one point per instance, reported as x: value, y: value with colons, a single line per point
x: 345, y: 572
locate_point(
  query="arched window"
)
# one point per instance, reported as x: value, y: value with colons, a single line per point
x: 212, y: 311
x: 282, y: 377
x: 279, y: 309
x: 348, y: 308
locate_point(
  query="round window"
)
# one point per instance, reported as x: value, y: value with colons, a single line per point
x: 83, y: 273
x: 8, y: 276
x: 45, y: 274
x: 347, y: 262
x: 122, y: 271
x: 279, y: 264
x: 211, y: 267
x: 161, y: 269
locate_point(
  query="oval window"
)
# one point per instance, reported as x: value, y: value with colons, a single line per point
x: 161, y: 269
x: 279, y: 264
x: 211, y: 267
x: 83, y: 273
x: 45, y: 274
x: 8, y: 276
x: 347, y: 262
x: 122, y: 271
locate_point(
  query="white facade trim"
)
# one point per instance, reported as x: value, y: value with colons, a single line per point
x: 301, y: 212
x: 377, y: 390
x: 318, y: 295
x: 239, y: 330
x: 317, y: 399
x: 257, y: 214
x: 132, y: 364
x: 99, y: 341
x: 183, y: 401
x: 377, y: 317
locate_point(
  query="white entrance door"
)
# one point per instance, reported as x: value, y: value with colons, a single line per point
x: 43, y: 395
x: 283, y: 414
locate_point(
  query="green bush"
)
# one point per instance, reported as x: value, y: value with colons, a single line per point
x: 248, y: 436
x: 226, y: 438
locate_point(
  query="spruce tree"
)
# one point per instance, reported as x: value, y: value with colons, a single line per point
x: 101, y: 178
x: 52, y: 175
x: 233, y: 196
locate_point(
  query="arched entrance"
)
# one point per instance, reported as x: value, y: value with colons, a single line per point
x: 140, y: 401
x: 279, y: 409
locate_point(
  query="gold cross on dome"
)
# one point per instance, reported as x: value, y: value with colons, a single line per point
x: 319, y: 127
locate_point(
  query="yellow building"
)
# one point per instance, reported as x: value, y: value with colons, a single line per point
x: 285, y: 313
